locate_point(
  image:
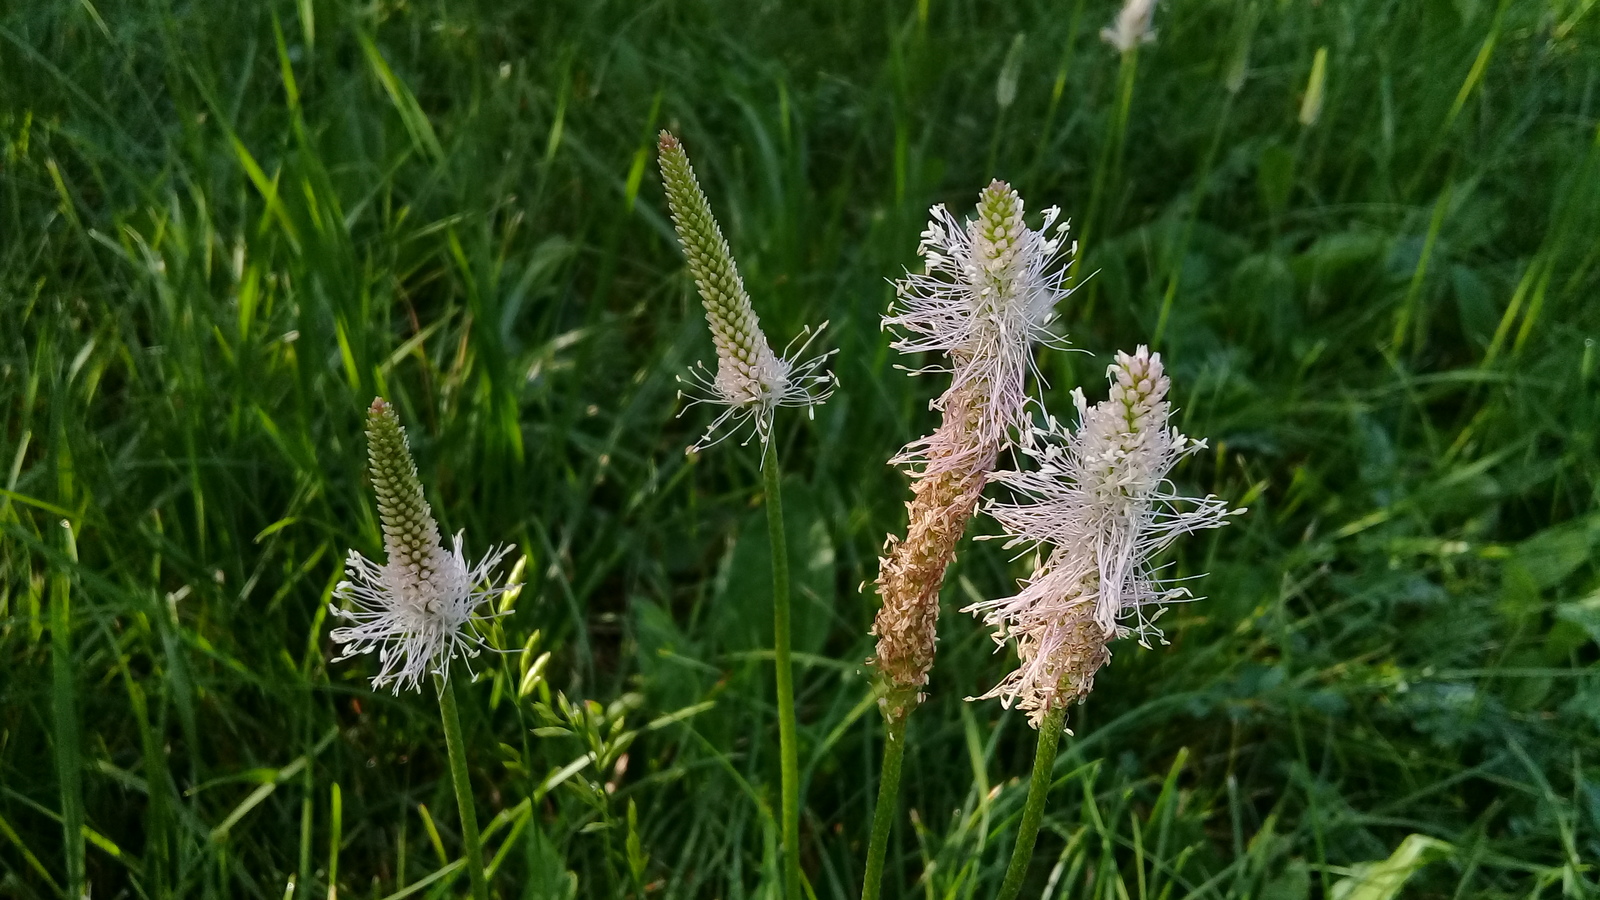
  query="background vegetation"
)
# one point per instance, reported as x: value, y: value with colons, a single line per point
x: 225, y: 227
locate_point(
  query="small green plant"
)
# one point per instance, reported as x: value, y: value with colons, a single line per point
x: 420, y: 610
x: 752, y: 382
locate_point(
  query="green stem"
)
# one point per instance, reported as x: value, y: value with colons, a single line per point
x: 790, y: 756
x: 1044, y: 760
x: 1110, y: 155
x: 463, y: 786
x: 894, y: 751
x: 68, y: 738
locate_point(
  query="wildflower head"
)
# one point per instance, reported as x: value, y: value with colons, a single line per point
x: 751, y: 380
x: 1132, y: 25
x: 1100, y: 508
x: 988, y: 294
x: 419, y: 609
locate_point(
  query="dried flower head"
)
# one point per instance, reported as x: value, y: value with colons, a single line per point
x: 419, y: 609
x: 1132, y: 26
x: 988, y: 295
x: 751, y: 380
x: 1100, y: 501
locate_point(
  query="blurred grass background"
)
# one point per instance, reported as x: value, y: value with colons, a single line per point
x: 225, y: 227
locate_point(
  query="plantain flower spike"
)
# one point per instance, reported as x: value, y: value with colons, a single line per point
x: 988, y: 294
x: 1132, y: 25
x: 1100, y: 508
x: 751, y: 380
x: 419, y: 610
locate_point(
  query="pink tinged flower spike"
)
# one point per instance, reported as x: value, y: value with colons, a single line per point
x: 987, y: 296
x: 419, y: 610
x: 1100, y: 507
x: 751, y: 380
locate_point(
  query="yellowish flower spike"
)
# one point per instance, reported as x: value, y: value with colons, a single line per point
x: 751, y: 380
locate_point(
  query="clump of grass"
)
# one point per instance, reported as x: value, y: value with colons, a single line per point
x: 227, y: 229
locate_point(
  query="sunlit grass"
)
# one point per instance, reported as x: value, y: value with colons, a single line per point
x: 224, y: 229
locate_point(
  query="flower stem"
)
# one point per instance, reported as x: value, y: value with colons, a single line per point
x: 458, y: 776
x: 789, y: 754
x: 1110, y: 153
x: 894, y: 751
x: 1044, y: 760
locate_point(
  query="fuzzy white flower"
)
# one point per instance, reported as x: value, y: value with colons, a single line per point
x: 751, y: 380
x: 988, y: 294
x: 419, y: 610
x: 1102, y: 504
x: 1132, y: 26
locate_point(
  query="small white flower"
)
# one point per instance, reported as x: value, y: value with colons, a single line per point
x: 415, y: 626
x: 1101, y: 504
x: 751, y: 380
x: 752, y: 392
x: 1132, y: 26
x: 988, y: 295
x: 419, y: 610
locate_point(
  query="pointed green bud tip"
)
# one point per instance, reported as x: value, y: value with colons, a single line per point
x: 1000, y: 224
x: 410, y: 534
x: 746, y: 366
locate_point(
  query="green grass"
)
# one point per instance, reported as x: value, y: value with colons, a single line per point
x: 225, y: 227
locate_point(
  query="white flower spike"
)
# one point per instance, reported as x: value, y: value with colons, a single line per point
x: 751, y: 380
x: 1101, y: 503
x: 988, y: 295
x: 1132, y: 26
x: 419, y: 609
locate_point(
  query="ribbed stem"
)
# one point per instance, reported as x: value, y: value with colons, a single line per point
x: 894, y: 751
x: 788, y: 751
x: 1044, y: 760
x: 463, y: 786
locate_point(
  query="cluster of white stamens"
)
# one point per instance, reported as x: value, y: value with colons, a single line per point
x: 987, y: 296
x: 419, y: 609
x: 1100, y: 508
x: 750, y: 380
x: 1132, y: 25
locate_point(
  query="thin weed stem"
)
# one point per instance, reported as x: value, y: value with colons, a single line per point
x: 894, y: 751
x: 1110, y: 162
x: 451, y: 717
x: 1175, y: 257
x: 1044, y: 761
x: 788, y: 753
